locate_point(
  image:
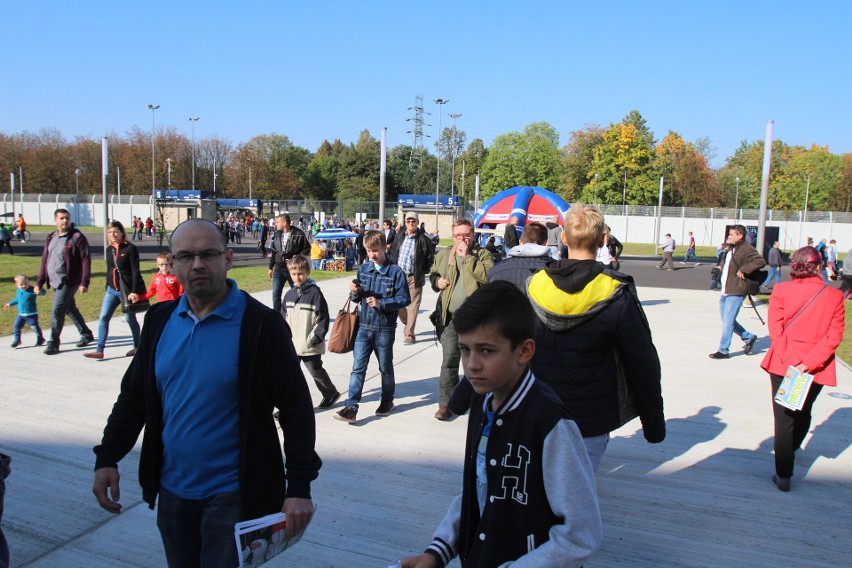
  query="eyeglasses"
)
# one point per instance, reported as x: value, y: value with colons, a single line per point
x: 411, y: 220
x: 205, y: 256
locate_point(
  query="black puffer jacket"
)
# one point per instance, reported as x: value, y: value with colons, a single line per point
x: 594, y: 347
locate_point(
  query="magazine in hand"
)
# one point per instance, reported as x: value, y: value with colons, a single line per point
x: 260, y: 540
x: 794, y: 389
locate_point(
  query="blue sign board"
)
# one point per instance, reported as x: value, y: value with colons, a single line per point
x: 181, y: 194
x: 427, y: 200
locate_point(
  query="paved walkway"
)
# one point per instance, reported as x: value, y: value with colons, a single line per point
x: 701, y: 498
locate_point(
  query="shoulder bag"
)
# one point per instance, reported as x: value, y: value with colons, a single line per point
x: 342, y: 338
x: 126, y: 305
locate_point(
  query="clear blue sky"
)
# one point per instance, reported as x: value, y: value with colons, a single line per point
x: 325, y: 70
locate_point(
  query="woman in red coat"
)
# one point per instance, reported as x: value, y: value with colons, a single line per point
x: 807, y: 342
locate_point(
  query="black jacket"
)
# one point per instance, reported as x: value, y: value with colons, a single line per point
x: 125, y: 262
x: 594, y: 348
x: 296, y: 244
x: 542, y: 507
x: 270, y: 376
x: 424, y: 255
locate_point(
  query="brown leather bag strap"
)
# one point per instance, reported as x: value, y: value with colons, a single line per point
x: 786, y: 325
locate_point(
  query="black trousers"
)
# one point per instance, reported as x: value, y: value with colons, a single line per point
x: 791, y: 427
x: 313, y: 363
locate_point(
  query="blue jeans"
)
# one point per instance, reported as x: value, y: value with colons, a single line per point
x: 729, y: 306
x: 112, y: 299
x: 280, y: 275
x: 773, y: 273
x: 366, y: 341
x: 199, y: 532
x: 690, y: 253
x: 63, y: 303
x: 32, y: 320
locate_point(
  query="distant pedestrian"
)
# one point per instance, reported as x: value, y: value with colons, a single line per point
x: 774, y: 263
x: 742, y: 260
x: 668, y: 251
x: 66, y: 266
x: 690, y: 249
x: 25, y: 299
x: 5, y: 238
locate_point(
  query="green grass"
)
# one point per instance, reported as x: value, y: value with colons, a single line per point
x: 249, y: 278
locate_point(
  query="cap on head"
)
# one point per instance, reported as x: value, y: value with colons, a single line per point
x: 412, y: 215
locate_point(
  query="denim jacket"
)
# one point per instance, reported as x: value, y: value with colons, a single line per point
x: 388, y: 285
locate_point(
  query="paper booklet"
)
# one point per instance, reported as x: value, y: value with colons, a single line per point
x: 260, y: 540
x: 794, y: 389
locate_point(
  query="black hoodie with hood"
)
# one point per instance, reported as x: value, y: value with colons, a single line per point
x: 594, y: 347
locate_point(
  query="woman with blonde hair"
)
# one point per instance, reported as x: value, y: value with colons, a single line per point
x: 806, y: 322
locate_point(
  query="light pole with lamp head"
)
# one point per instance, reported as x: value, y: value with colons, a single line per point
x: 193, y: 120
x: 77, y: 180
x: 169, y: 173
x: 153, y: 133
x: 440, y: 103
x: 596, y: 190
x: 737, y: 198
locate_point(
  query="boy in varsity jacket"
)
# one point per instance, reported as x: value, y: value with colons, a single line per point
x: 528, y: 494
x: 306, y: 311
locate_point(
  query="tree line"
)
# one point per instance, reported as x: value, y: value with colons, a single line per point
x: 614, y: 164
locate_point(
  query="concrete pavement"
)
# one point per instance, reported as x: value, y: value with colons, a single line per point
x: 701, y: 498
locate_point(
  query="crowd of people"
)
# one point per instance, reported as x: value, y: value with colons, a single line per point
x: 546, y: 355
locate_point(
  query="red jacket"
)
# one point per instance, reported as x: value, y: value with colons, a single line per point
x: 815, y: 334
x: 165, y: 287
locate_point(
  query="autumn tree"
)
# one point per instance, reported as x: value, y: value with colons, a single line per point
x: 817, y: 166
x: 689, y: 181
x: 530, y: 157
x: 358, y: 174
x: 578, y: 163
x: 624, y: 162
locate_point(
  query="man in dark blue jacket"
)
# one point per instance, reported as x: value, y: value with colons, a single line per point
x: 211, y: 367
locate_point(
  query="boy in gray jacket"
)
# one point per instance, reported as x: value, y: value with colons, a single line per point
x: 306, y: 311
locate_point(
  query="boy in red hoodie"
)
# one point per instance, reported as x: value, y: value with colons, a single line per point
x: 164, y: 284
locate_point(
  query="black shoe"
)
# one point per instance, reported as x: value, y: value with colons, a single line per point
x: 385, y: 408
x: 85, y: 340
x: 749, y: 345
x: 52, y: 349
x: 783, y: 483
x: 348, y: 414
x: 328, y: 401
x: 719, y: 355
x: 39, y: 342
x: 15, y: 343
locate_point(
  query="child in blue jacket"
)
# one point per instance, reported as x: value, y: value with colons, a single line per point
x: 25, y: 299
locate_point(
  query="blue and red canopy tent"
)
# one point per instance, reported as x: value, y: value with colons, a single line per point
x: 528, y: 203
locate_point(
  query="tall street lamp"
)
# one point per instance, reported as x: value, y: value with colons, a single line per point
x: 153, y: 133
x: 596, y: 190
x: 455, y: 135
x: 193, y: 120
x: 169, y: 173
x: 440, y: 103
x: 737, y: 200
x: 77, y: 180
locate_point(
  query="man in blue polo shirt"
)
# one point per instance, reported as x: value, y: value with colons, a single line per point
x: 210, y: 368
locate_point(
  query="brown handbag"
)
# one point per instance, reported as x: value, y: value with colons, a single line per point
x: 342, y: 339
